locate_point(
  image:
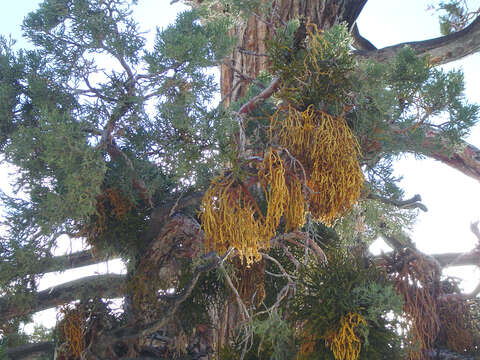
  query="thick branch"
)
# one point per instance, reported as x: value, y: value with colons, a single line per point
x: 107, y: 286
x: 68, y: 261
x: 213, y: 260
x: 458, y: 259
x: 26, y: 351
x: 441, y: 50
x: 412, y: 203
x: 465, y: 158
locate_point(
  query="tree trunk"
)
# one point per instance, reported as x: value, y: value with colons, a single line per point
x: 248, y: 61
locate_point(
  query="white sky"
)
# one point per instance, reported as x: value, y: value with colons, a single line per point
x: 452, y: 198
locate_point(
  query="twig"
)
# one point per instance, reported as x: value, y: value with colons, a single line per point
x: 243, y: 75
x: 239, y: 300
x: 276, y: 262
x: 249, y: 106
x: 414, y: 202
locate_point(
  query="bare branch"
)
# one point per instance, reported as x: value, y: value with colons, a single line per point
x: 414, y: 202
x: 26, y: 351
x: 458, y: 259
x: 213, y: 260
x: 239, y: 300
x: 276, y: 262
x: 249, y: 106
x: 68, y: 261
x: 441, y: 50
x: 107, y: 286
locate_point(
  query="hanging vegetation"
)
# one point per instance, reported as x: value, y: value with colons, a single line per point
x: 111, y: 204
x: 231, y: 216
x: 328, y: 151
x: 295, y: 209
x: 340, y: 311
x: 459, y: 320
x: 418, y: 282
x: 314, y: 165
x: 345, y: 343
x: 250, y: 282
x: 79, y: 326
x: 71, y: 332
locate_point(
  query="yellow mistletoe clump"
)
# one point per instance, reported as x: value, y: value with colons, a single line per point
x: 328, y: 151
x: 231, y: 217
x: 72, y: 331
x: 295, y: 209
x: 344, y: 343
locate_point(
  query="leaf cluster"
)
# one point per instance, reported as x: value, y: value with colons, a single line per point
x: 327, y: 293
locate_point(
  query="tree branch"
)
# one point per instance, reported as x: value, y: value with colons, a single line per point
x: 249, y: 106
x: 26, y: 351
x: 107, y: 286
x: 458, y: 259
x: 441, y: 50
x: 414, y: 202
x: 68, y: 261
x: 359, y: 42
x: 132, y: 332
x: 465, y: 158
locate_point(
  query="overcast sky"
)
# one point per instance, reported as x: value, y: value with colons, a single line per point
x: 451, y: 197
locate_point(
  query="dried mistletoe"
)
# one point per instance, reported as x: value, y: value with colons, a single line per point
x: 417, y: 280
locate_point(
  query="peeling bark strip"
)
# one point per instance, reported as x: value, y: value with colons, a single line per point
x: 107, y: 286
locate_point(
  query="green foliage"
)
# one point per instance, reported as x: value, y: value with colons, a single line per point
x: 210, y: 290
x: 347, y: 284
x: 455, y: 15
x: 370, y: 218
x: 409, y: 94
x: 277, y: 335
x: 146, y: 131
x: 316, y: 72
x: 61, y: 171
x: 395, y: 106
x: 181, y: 61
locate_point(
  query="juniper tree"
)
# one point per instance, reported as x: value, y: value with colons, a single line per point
x: 244, y: 223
